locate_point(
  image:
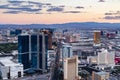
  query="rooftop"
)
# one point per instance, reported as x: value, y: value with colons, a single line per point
x: 102, y: 73
x: 6, y: 61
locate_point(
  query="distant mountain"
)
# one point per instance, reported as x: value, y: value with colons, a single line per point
x: 83, y: 25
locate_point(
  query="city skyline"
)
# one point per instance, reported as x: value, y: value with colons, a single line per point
x: 58, y: 11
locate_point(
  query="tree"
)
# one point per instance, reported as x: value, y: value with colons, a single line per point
x: 8, y: 47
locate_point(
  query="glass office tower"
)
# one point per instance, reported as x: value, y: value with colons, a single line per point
x: 23, y: 49
x: 32, y: 49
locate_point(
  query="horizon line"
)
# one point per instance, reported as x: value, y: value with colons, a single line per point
x: 56, y: 23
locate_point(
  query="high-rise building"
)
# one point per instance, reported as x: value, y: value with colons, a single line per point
x: 111, y: 58
x: 49, y: 33
x: 67, y: 50
x: 71, y: 68
x: 32, y: 49
x: 102, y: 57
x: 106, y: 57
x: 16, y: 32
x: 97, y: 37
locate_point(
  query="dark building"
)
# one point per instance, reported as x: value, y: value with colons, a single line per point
x: 15, y: 32
x: 32, y: 49
x: 111, y: 35
x: 49, y: 33
x: 18, y: 31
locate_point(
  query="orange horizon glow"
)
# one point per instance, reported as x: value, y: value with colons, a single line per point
x: 51, y: 19
x: 91, y: 11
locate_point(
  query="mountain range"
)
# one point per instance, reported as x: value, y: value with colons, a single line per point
x: 82, y: 25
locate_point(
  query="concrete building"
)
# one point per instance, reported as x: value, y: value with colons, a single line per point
x: 105, y: 57
x: 102, y: 57
x: 92, y: 59
x: 50, y: 57
x: 111, y: 58
x: 10, y: 69
x: 32, y: 51
x: 100, y: 76
x: 71, y: 68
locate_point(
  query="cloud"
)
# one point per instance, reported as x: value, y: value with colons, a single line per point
x: 101, y: 1
x: 20, y: 8
x: 15, y: 1
x: 112, y: 17
x: 48, y: 4
x: 113, y: 13
x: 12, y: 12
x: 31, y: 7
x: 55, y: 9
x: 4, y: 6
x: 72, y: 12
x: 62, y: 6
x: 36, y: 3
x: 16, y: 7
x: 79, y: 7
x: 108, y: 14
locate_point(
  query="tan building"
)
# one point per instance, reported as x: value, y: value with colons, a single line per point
x: 71, y: 68
x: 100, y: 76
x: 96, y: 37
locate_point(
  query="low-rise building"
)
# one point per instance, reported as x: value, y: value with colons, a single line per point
x: 10, y: 69
x: 50, y: 57
x: 100, y: 76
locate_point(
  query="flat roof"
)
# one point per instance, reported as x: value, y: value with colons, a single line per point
x: 101, y: 73
x: 6, y: 61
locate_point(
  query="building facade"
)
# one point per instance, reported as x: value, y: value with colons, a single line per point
x: 32, y: 51
x: 106, y: 57
x: 100, y: 75
x: 67, y: 51
x: 71, y: 68
x: 10, y: 69
x: 97, y: 37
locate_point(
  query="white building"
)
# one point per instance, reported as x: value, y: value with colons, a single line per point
x: 102, y: 57
x: 10, y: 69
x: 50, y: 56
x: 111, y: 58
x: 105, y: 57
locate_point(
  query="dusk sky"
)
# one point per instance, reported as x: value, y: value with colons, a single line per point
x: 58, y: 11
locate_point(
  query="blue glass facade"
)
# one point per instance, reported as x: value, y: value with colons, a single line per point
x: 40, y: 51
x: 18, y: 31
x: 23, y: 50
x: 46, y: 48
x: 29, y: 47
x: 34, y: 51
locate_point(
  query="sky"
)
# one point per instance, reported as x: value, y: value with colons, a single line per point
x: 58, y: 11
